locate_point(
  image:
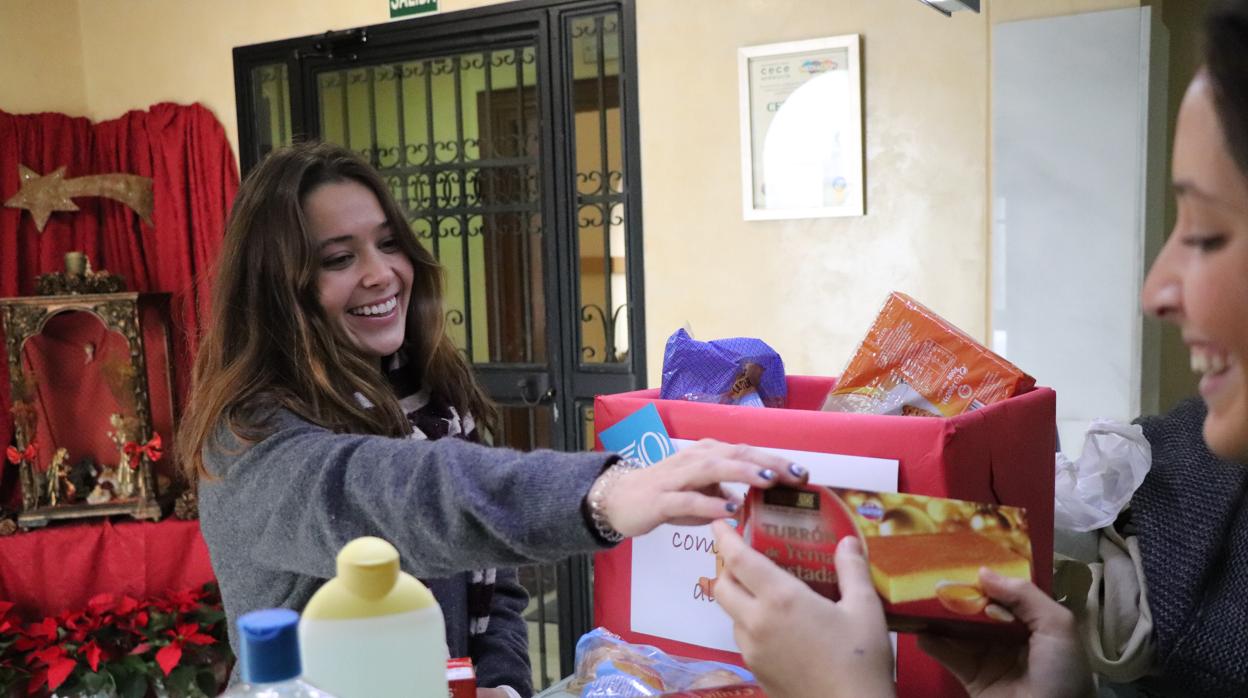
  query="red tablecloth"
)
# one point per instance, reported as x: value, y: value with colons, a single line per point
x: 59, y: 568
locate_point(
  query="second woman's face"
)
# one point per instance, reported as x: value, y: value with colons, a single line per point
x: 364, y: 278
x: 1200, y: 279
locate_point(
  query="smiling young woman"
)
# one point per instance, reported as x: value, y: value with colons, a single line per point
x: 1200, y: 279
x: 329, y: 403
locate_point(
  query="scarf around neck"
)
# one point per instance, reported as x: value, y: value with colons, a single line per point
x: 434, y: 418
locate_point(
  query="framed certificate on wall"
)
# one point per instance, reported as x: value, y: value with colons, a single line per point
x: 801, y: 129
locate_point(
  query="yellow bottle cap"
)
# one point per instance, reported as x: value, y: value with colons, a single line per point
x: 369, y: 584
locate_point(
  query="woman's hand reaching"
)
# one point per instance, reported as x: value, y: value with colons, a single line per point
x: 684, y: 488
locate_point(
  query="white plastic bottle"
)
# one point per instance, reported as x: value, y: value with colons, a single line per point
x: 374, y: 631
x: 269, y: 643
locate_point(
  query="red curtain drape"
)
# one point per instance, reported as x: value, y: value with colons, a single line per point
x: 194, y: 175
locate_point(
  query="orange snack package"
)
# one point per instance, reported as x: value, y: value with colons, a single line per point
x: 912, y: 362
x: 924, y: 553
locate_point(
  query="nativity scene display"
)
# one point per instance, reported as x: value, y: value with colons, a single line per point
x: 85, y: 445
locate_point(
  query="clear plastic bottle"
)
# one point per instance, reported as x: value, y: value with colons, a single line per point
x: 269, y: 644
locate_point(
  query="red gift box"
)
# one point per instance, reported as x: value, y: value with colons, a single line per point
x: 1001, y: 453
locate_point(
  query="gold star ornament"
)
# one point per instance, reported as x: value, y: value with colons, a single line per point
x: 41, y: 195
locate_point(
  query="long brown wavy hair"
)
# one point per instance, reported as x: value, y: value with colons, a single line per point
x: 270, y: 344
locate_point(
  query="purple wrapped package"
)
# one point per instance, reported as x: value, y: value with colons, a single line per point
x: 736, y: 371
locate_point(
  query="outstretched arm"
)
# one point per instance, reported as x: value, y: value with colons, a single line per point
x: 295, y: 498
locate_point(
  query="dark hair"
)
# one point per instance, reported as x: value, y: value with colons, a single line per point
x: 1226, y: 60
x: 270, y: 344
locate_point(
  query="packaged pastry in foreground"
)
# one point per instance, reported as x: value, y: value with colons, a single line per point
x: 609, y: 667
x: 924, y: 552
x: 741, y: 690
x: 914, y: 363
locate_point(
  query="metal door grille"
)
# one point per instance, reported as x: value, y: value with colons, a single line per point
x: 601, y: 190
x: 456, y: 138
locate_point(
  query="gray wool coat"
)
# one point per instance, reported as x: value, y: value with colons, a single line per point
x: 275, y: 513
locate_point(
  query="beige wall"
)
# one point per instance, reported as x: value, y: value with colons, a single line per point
x: 183, y: 50
x: 809, y: 287
x: 41, y: 57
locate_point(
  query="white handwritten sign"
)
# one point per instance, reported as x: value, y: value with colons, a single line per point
x: 669, y: 562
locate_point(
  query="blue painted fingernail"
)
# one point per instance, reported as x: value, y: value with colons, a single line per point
x: 731, y: 507
x: 767, y: 474
x: 797, y: 470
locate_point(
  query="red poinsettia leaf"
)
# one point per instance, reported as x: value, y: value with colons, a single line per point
x: 58, y: 671
x: 5, y: 607
x: 200, y: 639
x: 37, y: 680
x: 185, y: 600
x: 71, y: 619
x: 45, y: 628
x: 141, y: 648
x: 24, y: 643
x: 169, y: 656
x: 187, y: 629
x: 49, y: 655
x: 140, y: 619
x: 93, y: 653
x: 92, y: 623
x: 126, y: 606
x: 101, y: 603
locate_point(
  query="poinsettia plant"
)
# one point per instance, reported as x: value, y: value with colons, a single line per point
x: 174, y: 645
x: 11, y: 670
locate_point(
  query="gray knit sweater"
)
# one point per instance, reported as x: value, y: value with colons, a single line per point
x: 277, y: 512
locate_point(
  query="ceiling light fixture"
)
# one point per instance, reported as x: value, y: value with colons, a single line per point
x: 948, y: 7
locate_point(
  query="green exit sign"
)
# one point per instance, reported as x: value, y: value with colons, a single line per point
x: 403, y: 8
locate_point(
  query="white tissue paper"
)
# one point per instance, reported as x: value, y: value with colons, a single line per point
x: 1092, y: 491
